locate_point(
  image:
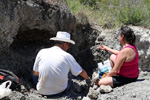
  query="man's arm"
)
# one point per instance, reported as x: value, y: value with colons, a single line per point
x: 35, y: 73
x: 84, y: 74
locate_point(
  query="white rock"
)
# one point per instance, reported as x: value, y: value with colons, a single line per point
x: 86, y: 98
x: 105, y: 89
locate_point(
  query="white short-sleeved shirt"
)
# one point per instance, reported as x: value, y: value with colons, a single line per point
x: 53, y: 65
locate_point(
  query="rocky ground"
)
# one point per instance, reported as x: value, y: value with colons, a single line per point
x: 27, y: 25
x: 138, y: 90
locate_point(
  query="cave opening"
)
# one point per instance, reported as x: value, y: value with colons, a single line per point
x: 20, y: 56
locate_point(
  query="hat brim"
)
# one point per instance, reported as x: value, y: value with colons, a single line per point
x: 64, y: 40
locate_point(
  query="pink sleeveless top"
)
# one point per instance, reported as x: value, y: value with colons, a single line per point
x: 130, y: 69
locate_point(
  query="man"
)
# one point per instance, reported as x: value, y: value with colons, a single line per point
x: 52, y: 66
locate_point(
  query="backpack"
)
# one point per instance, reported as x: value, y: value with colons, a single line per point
x: 8, y: 75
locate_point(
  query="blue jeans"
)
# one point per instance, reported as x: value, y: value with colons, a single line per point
x: 34, y: 79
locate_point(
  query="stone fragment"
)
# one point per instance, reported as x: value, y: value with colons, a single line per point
x: 79, y: 98
x: 105, y: 89
x: 95, y: 77
x: 95, y: 87
x: 93, y: 94
x: 86, y: 98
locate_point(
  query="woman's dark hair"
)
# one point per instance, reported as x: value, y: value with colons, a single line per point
x: 128, y: 34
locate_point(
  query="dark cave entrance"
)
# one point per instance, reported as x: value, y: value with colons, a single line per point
x: 22, y: 52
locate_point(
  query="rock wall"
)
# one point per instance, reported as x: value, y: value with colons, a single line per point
x: 25, y: 28
x: 23, y: 15
x: 143, y: 46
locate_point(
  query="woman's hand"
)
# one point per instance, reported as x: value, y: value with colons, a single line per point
x: 103, y: 47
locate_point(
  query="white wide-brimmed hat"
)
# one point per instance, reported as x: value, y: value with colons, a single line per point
x: 62, y: 36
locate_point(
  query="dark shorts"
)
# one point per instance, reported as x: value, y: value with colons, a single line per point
x: 120, y: 80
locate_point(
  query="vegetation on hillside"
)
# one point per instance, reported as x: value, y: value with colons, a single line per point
x: 113, y: 13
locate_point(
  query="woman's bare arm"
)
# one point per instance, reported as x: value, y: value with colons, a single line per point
x: 103, y: 47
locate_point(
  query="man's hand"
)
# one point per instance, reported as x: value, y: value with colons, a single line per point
x: 89, y: 82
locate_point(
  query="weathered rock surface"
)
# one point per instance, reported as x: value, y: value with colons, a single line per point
x: 18, y: 16
x: 27, y: 25
x: 143, y: 46
x: 25, y: 28
x: 93, y: 94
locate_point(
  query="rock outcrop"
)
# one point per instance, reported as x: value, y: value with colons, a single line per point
x: 19, y: 16
x: 25, y: 28
x: 143, y: 46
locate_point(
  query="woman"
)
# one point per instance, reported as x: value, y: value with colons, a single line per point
x: 124, y: 62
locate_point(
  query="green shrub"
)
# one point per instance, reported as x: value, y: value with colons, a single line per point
x: 131, y: 14
x: 113, y: 13
x: 91, y: 3
x: 74, y: 5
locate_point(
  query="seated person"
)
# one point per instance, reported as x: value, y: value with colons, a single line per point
x: 124, y: 62
x: 52, y: 66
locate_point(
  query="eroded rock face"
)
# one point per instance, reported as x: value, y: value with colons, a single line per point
x: 143, y: 46
x: 25, y: 28
x: 23, y: 15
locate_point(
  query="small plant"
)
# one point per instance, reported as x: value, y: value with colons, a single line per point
x: 91, y: 3
x: 131, y: 14
x: 82, y: 18
x: 113, y: 13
